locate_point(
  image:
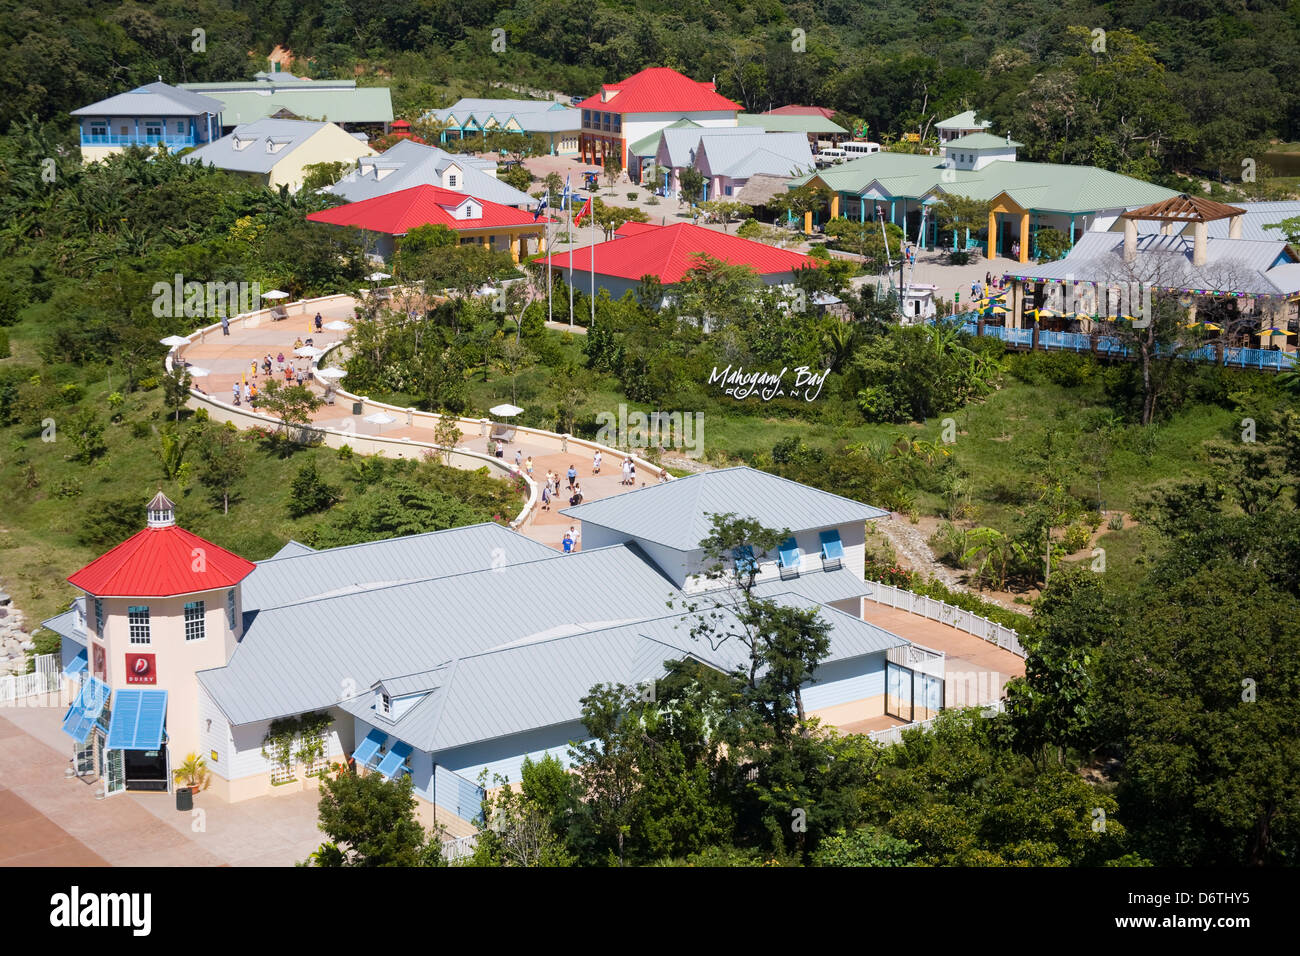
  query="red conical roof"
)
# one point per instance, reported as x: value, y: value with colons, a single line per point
x: 161, y: 562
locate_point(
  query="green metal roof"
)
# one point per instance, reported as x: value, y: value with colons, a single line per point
x: 1049, y: 187
x: 790, y: 123
x: 962, y: 121
x: 981, y: 141
x: 371, y: 104
x: 650, y: 145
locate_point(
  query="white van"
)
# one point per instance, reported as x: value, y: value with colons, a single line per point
x: 828, y: 156
x: 860, y: 148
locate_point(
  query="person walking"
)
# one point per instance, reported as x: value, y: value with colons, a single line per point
x: 319, y: 323
x: 546, y: 496
x: 631, y: 472
x: 572, y: 475
x: 252, y: 369
x: 501, y: 449
x: 576, y: 497
x: 519, y: 458
x: 627, y: 464
x: 595, y: 463
x: 528, y: 466
x: 248, y: 394
x: 252, y: 399
x: 568, y: 541
x: 234, y: 392
x: 225, y: 325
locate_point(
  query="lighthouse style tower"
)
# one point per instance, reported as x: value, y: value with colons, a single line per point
x: 160, y: 606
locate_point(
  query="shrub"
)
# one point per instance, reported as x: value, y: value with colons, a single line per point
x: 140, y: 429
x: 147, y: 384
x: 201, y: 415
x: 345, y: 453
x: 4, y: 344
x: 632, y: 195
x: 749, y: 229
x: 1076, y: 537
x: 959, y: 257
x: 949, y: 544
x: 71, y: 393
x: 1116, y: 521
x: 307, y: 492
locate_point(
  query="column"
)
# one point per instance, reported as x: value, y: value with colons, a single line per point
x: 993, y: 234
x: 862, y: 209
x: 807, y: 222
x: 1071, y: 230
x: 835, y: 205
x: 892, y: 221
x: 515, y: 247
x: 1024, y: 237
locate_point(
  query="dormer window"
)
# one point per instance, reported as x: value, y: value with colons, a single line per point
x: 469, y: 210
x: 385, y: 704
x: 451, y: 180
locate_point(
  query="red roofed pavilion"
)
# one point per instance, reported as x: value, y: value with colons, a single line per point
x: 668, y: 252
x: 473, y: 219
x: 161, y: 561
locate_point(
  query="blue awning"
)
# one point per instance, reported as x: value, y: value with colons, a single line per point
x: 76, y: 665
x: 369, y: 748
x: 85, y: 710
x: 744, y: 557
x: 789, y: 553
x: 394, y: 762
x: 832, y: 547
x: 138, y: 720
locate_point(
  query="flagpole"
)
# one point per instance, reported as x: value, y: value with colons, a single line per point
x: 569, y: 234
x: 550, y: 305
x: 593, y: 263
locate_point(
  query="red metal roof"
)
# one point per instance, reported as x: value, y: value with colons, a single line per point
x: 159, y: 562
x: 399, y: 212
x: 668, y: 252
x: 659, y: 90
x: 633, y: 228
x: 796, y: 110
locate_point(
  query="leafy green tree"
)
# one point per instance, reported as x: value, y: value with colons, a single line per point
x: 516, y: 830
x: 690, y: 182
x: 87, y: 434
x: 176, y: 389
x: 110, y: 521
x: 292, y: 406
x: 392, y: 508
x: 866, y: 846
x: 308, y: 492
x: 223, y: 462
x: 370, y: 821
x: 319, y: 175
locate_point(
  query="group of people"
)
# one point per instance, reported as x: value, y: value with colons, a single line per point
x: 992, y: 284
x: 249, y: 394
x: 551, y: 487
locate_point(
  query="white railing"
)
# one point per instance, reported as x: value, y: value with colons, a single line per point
x: 44, y: 680
x: 459, y: 848
x: 891, y: 736
x: 944, y: 613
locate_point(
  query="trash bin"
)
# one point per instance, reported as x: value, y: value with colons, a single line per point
x: 356, y: 408
x: 184, y: 798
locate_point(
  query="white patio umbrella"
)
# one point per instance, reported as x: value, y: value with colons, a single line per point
x: 308, y: 351
x: 331, y: 372
x: 378, y: 276
x: 505, y: 411
x: 380, y: 418
x: 196, y: 372
x: 337, y: 326
x: 174, y: 341
x: 275, y: 294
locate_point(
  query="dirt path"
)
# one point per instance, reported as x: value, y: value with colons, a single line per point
x: 909, y: 542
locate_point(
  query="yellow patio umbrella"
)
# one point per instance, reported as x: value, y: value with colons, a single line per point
x: 1046, y: 313
x: 1211, y: 327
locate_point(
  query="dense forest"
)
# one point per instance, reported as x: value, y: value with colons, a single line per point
x: 1141, y: 87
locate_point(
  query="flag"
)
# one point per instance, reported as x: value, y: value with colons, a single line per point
x: 537, y: 213
x: 565, y: 197
x: 577, y: 220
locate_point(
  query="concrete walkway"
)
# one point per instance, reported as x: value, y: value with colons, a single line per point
x: 230, y: 359
x: 48, y: 819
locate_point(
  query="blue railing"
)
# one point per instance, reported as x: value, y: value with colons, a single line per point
x: 1114, y: 348
x: 170, y: 140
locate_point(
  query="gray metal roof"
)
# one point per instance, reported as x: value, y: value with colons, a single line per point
x: 416, y: 683
x: 289, y: 579
x: 414, y: 164
x: 964, y: 120
x: 292, y: 549
x: 680, y: 141
x: 739, y: 157
x: 153, y: 99
x: 1231, y: 265
x: 305, y: 656
x: 817, y: 585
x: 255, y: 147
x: 533, y: 116
x: 65, y: 625
x: 514, y: 689
x: 675, y: 514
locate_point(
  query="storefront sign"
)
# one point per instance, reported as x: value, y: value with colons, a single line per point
x: 140, y: 669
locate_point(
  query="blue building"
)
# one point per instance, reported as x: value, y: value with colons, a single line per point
x: 148, y: 116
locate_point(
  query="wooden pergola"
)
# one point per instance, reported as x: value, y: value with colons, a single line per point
x: 1182, y: 210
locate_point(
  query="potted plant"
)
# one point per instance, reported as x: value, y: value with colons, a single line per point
x: 192, y: 773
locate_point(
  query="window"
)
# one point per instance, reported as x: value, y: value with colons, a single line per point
x: 604, y: 122
x: 124, y: 130
x: 180, y: 126
x: 99, y: 129
x: 586, y: 117
x: 194, y: 621
x: 618, y: 123
x: 469, y: 211
x: 153, y: 128
x: 451, y: 181
x: 138, y: 619
x: 230, y: 607
x: 385, y: 703
x: 99, y: 617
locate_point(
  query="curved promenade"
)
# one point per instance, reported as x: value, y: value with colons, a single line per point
x: 230, y: 357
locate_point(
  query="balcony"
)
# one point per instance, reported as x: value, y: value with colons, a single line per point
x: 173, y: 141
